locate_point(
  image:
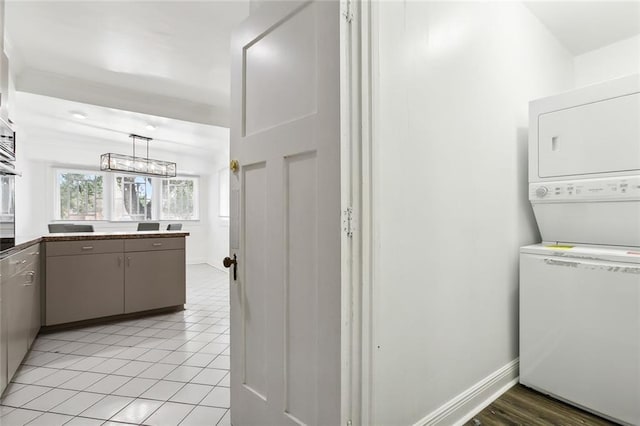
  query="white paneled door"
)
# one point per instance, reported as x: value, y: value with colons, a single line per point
x: 285, y: 216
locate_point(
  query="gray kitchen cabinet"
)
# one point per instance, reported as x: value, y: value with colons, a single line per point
x: 18, y: 322
x: 20, y: 308
x: 33, y: 278
x: 81, y: 248
x: 4, y: 268
x: 90, y: 279
x: 154, y: 244
x: 154, y: 279
x: 83, y: 286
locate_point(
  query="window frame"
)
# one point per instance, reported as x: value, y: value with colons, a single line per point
x: 196, y: 198
x: 57, y: 214
x: 8, y: 215
x: 112, y: 215
x: 109, y: 192
x: 224, y: 176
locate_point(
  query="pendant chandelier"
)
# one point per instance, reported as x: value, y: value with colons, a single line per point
x: 111, y: 162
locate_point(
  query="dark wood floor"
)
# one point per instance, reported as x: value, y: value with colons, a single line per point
x: 523, y: 406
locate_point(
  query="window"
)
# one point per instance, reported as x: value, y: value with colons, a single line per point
x: 179, y: 199
x: 7, y: 201
x: 79, y: 195
x: 133, y: 198
x: 223, y: 193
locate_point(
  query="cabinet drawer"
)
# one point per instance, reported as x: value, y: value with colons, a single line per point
x: 26, y: 259
x: 147, y: 244
x: 66, y: 248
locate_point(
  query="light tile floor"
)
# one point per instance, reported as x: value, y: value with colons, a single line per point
x: 164, y: 369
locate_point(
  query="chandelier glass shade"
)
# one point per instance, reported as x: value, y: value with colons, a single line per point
x: 122, y: 163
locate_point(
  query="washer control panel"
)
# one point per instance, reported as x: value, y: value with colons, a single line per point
x: 626, y: 188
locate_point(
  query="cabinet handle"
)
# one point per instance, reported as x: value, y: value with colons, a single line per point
x: 119, y: 261
x: 20, y: 262
x: 31, y: 277
x: 157, y: 244
x: 35, y: 253
x: 128, y: 261
x: 87, y: 248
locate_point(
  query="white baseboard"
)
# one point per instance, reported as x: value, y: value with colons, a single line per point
x: 204, y: 262
x: 463, y: 407
x: 225, y: 270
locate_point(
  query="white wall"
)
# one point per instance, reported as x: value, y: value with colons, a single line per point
x: 612, y: 61
x: 450, y: 194
x: 42, y: 150
x: 218, y: 247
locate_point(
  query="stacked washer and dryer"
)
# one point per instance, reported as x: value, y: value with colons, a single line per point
x: 580, y: 288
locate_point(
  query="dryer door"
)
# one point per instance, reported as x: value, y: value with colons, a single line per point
x: 597, y: 137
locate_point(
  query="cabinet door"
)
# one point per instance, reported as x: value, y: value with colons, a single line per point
x: 4, y: 268
x: 16, y: 303
x: 33, y: 288
x: 154, y: 279
x: 20, y: 309
x: 84, y: 287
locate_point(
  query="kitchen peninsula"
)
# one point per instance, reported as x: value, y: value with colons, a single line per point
x: 96, y: 274
x: 93, y: 275
x: 59, y: 279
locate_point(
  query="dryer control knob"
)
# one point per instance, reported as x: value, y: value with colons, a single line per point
x: 542, y: 191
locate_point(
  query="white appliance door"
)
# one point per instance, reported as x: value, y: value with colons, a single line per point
x: 580, y: 332
x: 285, y: 216
x: 598, y: 137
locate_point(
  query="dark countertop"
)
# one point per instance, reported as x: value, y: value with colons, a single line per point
x: 25, y: 242
x: 80, y: 236
x: 21, y: 244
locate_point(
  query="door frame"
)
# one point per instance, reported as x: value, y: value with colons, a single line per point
x: 362, y: 42
x: 349, y: 206
x: 358, y: 64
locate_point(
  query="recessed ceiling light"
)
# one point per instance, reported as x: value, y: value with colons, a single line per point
x: 151, y: 127
x: 79, y: 115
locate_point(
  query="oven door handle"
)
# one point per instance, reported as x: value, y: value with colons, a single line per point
x: 6, y: 170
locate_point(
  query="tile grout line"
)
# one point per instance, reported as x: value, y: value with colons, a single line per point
x: 190, y: 329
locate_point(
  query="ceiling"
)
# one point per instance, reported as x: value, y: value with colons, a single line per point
x: 582, y: 26
x: 112, y: 127
x: 171, y: 58
x: 161, y: 57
